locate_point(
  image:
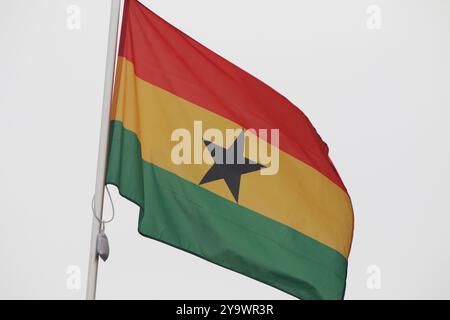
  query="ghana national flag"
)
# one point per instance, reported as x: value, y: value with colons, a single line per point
x: 222, y: 166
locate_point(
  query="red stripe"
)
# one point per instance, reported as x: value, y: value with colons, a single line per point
x: 166, y: 57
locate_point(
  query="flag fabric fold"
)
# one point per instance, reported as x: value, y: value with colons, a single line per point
x: 291, y: 229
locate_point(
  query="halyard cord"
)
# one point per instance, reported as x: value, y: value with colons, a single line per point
x: 103, y: 222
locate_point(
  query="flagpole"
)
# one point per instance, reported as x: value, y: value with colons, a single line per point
x: 103, y: 147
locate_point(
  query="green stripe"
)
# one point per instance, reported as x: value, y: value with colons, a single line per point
x: 188, y: 217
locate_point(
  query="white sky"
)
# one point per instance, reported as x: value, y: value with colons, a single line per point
x: 379, y: 98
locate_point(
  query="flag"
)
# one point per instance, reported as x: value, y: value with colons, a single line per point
x: 222, y: 166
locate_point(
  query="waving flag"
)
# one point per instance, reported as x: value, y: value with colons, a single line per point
x: 266, y: 202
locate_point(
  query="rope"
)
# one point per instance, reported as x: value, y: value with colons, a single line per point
x: 103, y: 222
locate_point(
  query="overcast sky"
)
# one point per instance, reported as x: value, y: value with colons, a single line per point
x: 372, y: 76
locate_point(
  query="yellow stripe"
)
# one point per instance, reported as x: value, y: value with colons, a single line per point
x: 298, y: 195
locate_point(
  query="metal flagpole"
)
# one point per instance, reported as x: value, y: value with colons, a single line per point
x: 103, y: 147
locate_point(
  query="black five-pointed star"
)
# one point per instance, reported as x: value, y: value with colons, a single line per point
x: 229, y: 165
